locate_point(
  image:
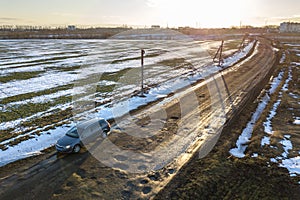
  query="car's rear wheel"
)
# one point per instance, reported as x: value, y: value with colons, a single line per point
x: 76, y: 148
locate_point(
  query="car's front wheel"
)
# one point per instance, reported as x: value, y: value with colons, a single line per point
x: 76, y: 148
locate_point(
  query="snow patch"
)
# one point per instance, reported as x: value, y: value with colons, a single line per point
x: 276, y: 82
x: 292, y: 164
x: 295, y: 63
x: 268, y: 123
x: 293, y: 45
x: 32, y: 146
x: 294, y: 96
x: 287, y: 145
x: 282, y: 59
x: 254, y: 155
x: 36, y: 84
x: 244, y: 138
x: 265, y: 141
x: 238, y: 56
x: 17, y: 122
x: 41, y: 99
x: 297, y: 121
x: 285, y: 87
x: 273, y: 160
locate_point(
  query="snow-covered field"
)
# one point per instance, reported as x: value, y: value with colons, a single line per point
x: 43, y: 77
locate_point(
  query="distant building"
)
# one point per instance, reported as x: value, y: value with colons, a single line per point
x: 71, y: 27
x: 288, y: 27
x: 155, y: 26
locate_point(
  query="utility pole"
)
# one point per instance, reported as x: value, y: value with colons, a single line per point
x: 142, y: 71
x: 220, y: 50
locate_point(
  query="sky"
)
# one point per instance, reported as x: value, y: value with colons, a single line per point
x: 144, y: 13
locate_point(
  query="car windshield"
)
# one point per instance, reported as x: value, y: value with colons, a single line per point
x: 102, y: 123
x: 72, y: 132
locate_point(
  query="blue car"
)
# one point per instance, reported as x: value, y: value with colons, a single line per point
x: 83, y: 132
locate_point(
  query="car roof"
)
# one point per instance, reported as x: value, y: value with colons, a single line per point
x: 88, y: 123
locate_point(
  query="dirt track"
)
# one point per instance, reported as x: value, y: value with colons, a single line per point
x: 84, y: 177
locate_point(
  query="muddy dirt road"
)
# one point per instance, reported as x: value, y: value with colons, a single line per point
x: 267, y: 165
x: 192, y: 121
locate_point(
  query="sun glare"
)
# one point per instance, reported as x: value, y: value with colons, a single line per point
x: 212, y: 13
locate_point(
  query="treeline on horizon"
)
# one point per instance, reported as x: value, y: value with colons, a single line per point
x: 45, y: 32
x: 83, y: 32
